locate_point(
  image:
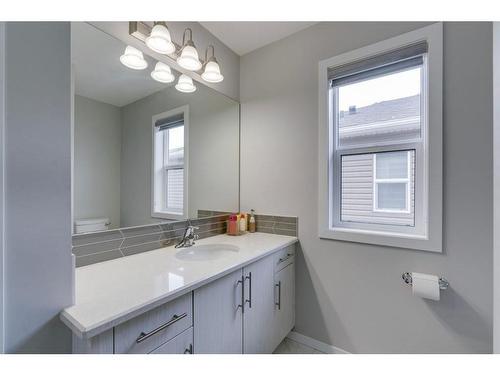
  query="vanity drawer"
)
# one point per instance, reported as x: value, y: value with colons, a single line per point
x: 284, y: 257
x: 148, y: 331
x: 180, y: 344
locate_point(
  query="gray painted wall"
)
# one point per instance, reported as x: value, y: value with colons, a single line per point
x: 351, y: 295
x: 213, y: 152
x: 496, y: 171
x: 38, y: 265
x: 2, y: 128
x: 227, y: 59
x: 97, y: 160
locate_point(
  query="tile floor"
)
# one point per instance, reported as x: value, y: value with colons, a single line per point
x: 289, y: 346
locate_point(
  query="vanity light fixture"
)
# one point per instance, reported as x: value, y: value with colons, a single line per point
x: 185, y: 84
x: 162, y: 73
x: 159, y: 40
x: 211, y: 73
x: 133, y: 58
x: 189, y: 55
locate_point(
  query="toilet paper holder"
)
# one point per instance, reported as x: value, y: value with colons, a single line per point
x: 443, y: 283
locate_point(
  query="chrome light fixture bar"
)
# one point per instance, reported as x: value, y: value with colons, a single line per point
x: 158, y: 38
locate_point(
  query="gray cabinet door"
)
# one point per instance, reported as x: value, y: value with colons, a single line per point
x: 285, y: 303
x: 218, y: 316
x: 180, y: 344
x: 258, y: 319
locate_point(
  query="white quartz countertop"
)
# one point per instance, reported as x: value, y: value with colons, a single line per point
x: 114, y: 291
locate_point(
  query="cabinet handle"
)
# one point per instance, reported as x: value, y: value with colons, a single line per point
x: 189, y: 350
x: 242, y: 305
x: 144, y: 336
x: 288, y: 255
x: 279, y: 295
x: 249, y: 300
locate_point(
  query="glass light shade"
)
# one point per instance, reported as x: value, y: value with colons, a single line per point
x: 133, y: 59
x: 189, y: 58
x: 160, y: 41
x: 212, y: 72
x: 162, y: 73
x: 185, y: 84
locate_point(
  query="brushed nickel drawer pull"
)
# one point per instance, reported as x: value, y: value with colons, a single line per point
x: 242, y: 305
x: 279, y: 295
x: 143, y: 336
x: 249, y: 300
x: 288, y: 255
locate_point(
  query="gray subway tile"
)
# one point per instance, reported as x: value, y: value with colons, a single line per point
x: 138, y: 231
x: 211, y: 226
x: 87, y: 238
x: 86, y: 260
x: 204, y: 213
x: 172, y: 233
x: 283, y: 225
x: 265, y: 224
x: 137, y: 240
x: 266, y: 217
x: 286, y: 232
x: 96, y: 247
x: 287, y: 219
x: 212, y: 233
x: 173, y: 225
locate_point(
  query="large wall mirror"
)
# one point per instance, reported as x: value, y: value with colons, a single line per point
x: 145, y: 152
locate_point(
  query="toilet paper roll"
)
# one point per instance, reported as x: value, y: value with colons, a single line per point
x: 425, y: 286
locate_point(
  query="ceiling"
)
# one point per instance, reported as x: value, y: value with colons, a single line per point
x: 245, y: 37
x: 99, y: 75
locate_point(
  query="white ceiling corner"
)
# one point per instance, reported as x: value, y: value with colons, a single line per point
x: 245, y: 37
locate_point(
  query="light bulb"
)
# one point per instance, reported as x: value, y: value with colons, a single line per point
x: 162, y: 73
x: 212, y: 72
x: 185, y: 84
x: 133, y: 58
x: 189, y: 58
x: 160, y: 41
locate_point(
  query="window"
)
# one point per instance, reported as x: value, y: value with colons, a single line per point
x: 392, y: 182
x: 376, y: 123
x: 169, y: 160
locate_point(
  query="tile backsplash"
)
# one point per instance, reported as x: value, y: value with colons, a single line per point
x: 98, y: 247
x: 285, y: 225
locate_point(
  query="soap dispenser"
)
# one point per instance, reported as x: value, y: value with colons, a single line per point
x: 251, y: 221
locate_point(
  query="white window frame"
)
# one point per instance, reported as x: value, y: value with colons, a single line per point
x: 407, y: 181
x: 428, y: 174
x: 165, y: 214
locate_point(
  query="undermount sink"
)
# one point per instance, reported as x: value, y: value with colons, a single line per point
x: 206, y: 252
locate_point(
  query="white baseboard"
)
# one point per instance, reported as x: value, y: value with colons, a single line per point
x: 315, y: 344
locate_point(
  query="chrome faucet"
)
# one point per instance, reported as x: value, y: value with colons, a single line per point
x: 189, y: 237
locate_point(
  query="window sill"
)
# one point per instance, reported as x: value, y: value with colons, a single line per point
x: 389, y: 239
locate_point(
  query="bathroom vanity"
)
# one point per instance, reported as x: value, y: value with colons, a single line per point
x: 223, y: 295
